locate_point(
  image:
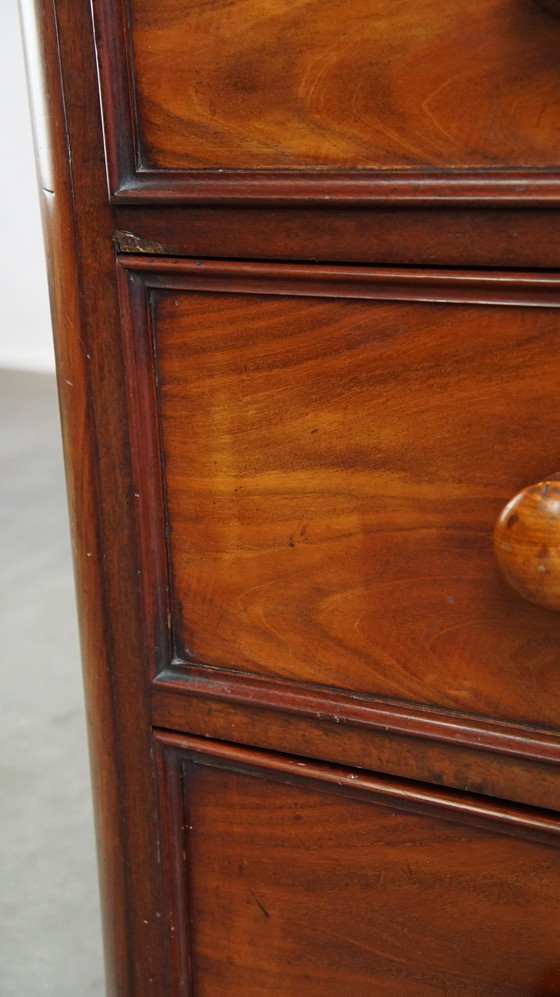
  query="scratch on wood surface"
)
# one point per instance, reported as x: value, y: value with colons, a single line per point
x: 258, y: 903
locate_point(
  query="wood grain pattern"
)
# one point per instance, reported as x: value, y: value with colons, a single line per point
x: 527, y: 543
x: 336, y: 706
x: 422, y: 236
x: 405, y: 752
x: 343, y: 85
x: 333, y: 471
x: 81, y: 267
x: 39, y: 28
x: 428, y: 399
x: 336, y: 90
x: 305, y: 877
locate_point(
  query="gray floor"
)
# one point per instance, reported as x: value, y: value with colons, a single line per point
x: 49, y: 916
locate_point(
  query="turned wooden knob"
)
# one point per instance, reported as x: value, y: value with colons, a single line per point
x: 527, y: 543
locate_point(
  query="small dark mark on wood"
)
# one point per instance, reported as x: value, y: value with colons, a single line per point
x: 258, y: 903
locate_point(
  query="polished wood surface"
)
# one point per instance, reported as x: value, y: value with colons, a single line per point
x: 342, y: 606
x: 336, y: 528
x: 456, y: 100
x: 84, y: 304
x: 330, y: 883
x: 527, y: 543
x: 344, y: 85
x: 424, y: 236
x: 405, y: 753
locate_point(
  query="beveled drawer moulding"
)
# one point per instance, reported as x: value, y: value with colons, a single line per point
x: 301, y: 509
x: 404, y: 843
x: 325, y: 731
x: 246, y: 102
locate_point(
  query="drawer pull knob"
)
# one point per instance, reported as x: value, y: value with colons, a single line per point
x: 527, y: 543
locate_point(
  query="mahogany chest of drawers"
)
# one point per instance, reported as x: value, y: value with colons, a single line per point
x: 303, y: 263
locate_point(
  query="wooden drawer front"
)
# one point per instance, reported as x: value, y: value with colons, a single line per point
x: 333, y: 468
x: 293, y: 878
x: 372, y: 89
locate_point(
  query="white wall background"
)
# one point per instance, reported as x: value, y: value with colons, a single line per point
x: 25, y: 330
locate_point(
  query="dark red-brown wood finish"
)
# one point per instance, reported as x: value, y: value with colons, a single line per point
x: 426, y: 236
x: 306, y: 307
x: 344, y: 102
x: 81, y: 258
x: 333, y: 881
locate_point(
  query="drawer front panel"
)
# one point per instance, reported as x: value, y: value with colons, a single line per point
x: 345, y: 84
x: 333, y: 468
x: 372, y: 90
x: 287, y: 881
